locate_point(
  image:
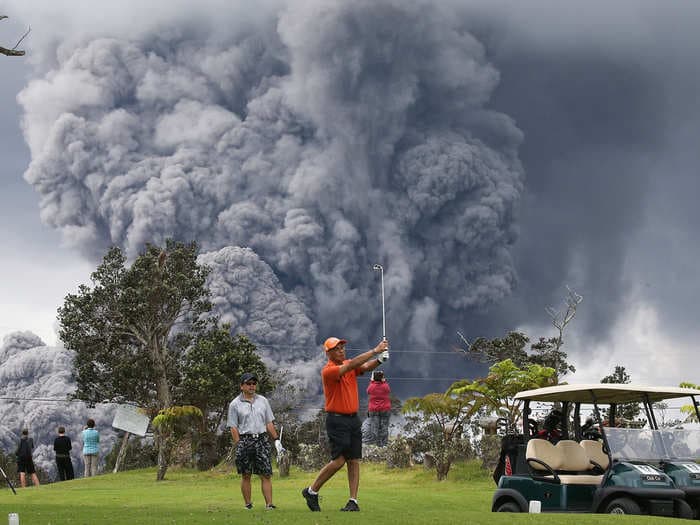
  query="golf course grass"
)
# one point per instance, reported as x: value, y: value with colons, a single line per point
x: 189, y: 497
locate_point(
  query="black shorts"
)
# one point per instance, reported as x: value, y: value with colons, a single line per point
x: 25, y: 465
x: 253, y: 455
x: 345, y: 435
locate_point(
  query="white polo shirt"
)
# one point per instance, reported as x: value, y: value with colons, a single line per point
x: 250, y: 417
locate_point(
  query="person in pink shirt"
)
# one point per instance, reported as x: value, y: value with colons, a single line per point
x: 379, y: 409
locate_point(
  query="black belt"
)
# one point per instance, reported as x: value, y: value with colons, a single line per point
x: 255, y: 436
x: 341, y: 415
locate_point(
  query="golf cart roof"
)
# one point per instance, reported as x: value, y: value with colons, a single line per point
x: 605, y: 393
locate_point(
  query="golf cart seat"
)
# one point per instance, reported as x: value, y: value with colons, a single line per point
x: 566, y: 462
x: 576, y: 465
x: 594, y: 451
x: 542, y: 457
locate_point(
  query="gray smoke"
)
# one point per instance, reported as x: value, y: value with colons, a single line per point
x: 327, y: 136
x: 247, y: 295
x: 35, y: 382
x: 332, y: 137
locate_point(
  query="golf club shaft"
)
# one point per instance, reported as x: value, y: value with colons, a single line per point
x: 383, y: 310
x: 9, y: 483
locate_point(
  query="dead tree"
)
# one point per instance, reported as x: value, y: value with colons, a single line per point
x: 561, y: 318
x: 14, y: 52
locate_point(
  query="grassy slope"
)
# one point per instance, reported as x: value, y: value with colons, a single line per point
x: 186, y: 497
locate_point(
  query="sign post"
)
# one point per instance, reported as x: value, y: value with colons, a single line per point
x: 131, y: 420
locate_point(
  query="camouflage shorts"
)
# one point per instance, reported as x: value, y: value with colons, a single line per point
x: 253, y: 455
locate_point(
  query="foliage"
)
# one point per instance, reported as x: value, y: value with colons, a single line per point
x: 121, y: 327
x: 212, y: 361
x: 140, y: 453
x: 172, y: 423
x: 496, y: 391
x: 9, y: 465
x: 545, y: 352
x: 689, y: 410
x: 374, y: 453
x: 124, y: 329
x: 310, y: 457
x: 444, y: 415
x: 512, y: 347
x: 628, y: 413
x: 548, y: 352
x: 177, y: 419
x: 398, y: 453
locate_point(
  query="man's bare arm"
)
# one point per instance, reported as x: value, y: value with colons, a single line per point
x: 361, y: 359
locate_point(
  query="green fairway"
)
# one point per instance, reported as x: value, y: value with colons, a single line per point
x: 189, y: 497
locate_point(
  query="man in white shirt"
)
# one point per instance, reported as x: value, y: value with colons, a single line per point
x: 251, y: 421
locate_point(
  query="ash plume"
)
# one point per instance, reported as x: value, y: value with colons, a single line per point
x: 35, y: 383
x: 301, y: 150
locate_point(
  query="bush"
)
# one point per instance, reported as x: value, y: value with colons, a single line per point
x: 310, y: 457
x: 374, y: 453
x: 140, y: 453
x: 9, y: 465
x: 399, y: 453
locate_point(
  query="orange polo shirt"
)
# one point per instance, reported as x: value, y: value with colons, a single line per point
x: 340, y: 391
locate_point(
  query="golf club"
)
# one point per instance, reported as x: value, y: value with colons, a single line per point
x: 9, y: 483
x: 379, y: 268
x: 385, y: 354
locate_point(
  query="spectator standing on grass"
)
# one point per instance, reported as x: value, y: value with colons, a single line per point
x: 379, y: 410
x: 62, y: 447
x: 25, y: 463
x: 251, y: 421
x: 91, y: 448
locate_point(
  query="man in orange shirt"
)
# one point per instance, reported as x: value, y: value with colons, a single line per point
x: 343, y: 425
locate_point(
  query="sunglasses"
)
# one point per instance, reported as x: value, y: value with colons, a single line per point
x: 251, y: 383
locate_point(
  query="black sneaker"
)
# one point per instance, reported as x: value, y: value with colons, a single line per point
x: 249, y: 506
x: 351, y: 506
x: 270, y: 506
x: 311, y: 500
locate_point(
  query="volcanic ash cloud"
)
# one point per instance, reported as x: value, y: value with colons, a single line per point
x: 331, y: 137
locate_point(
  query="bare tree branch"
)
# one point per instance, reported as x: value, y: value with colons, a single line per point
x: 29, y: 30
x: 464, y: 339
x: 14, y: 52
x: 561, y: 319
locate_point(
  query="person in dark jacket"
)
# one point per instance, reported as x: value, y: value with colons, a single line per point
x: 62, y: 447
x: 25, y: 463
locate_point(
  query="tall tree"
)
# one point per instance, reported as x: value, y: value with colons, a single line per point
x: 689, y: 410
x: 122, y: 328
x: 512, y: 347
x: 495, y: 393
x: 212, y: 361
x: 629, y: 412
x: 444, y: 415
x: 545, y: 352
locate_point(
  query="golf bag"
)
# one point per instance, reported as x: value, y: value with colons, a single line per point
x: 512, y: 457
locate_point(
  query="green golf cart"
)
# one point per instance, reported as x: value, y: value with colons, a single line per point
x: 596, y: 466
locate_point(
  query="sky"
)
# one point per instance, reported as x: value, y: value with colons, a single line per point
x: 487, y: 154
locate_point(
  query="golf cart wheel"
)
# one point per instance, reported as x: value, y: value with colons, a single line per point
x: 623, y: 506
x: 682, y: 510
x: 508, y: 506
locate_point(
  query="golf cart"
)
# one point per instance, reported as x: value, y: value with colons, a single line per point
x: 597, y: 467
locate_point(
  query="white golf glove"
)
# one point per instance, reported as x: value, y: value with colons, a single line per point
x: 279, y: 447
x: 384, y: 356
